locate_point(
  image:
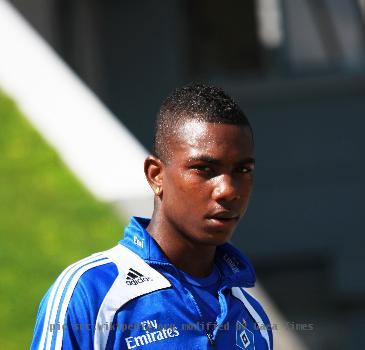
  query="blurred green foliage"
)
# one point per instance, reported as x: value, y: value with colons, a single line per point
x: 47, y: 221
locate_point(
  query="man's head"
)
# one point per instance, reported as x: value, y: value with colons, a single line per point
x: 201, y: 170
x: 193, y: 102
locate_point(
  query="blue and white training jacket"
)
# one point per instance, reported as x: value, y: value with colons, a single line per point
x: 132, y: 297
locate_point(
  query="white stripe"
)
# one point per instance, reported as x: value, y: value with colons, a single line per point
x: 58, y: 296
x: 70, y: 289
x: 107, y: 311
x: 120, y: 293
x: 237, y: 292
x: 61, y: 277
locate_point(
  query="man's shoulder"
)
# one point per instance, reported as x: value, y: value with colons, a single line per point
x: 87, y: 271
x: 102, y: 273
x: 111, y: 277
x: 255, y: 308
x: 87, y: 279
x: 73, y: 298
x: 95, y: 276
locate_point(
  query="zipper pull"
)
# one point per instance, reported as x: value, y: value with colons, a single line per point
x: 210, y: 338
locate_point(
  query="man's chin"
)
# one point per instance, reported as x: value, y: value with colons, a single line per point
x: 216, y: 237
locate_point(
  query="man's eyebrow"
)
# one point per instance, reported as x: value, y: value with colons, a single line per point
x: 212, y: 160
x: 250, y: 160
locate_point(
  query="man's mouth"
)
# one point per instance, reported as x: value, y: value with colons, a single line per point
x: 224, y: 214
x: 223, y: 218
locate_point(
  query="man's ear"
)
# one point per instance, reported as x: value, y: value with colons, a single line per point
x: 153, y: 170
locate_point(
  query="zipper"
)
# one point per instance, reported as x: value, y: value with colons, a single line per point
x: 210, y: 336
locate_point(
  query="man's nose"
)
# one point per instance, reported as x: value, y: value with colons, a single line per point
x: 225, y: 189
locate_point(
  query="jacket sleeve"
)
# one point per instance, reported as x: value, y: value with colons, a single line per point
x: 72, y: 331
x: 67, y: 313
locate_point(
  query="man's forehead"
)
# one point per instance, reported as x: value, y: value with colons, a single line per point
x: 196, y: 138
x: 193, y: 132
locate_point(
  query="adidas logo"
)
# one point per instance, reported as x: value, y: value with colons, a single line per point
x: 134, y: 277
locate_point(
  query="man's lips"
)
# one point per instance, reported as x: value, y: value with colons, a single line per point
x: 223, y: 218
x: 224, y: 215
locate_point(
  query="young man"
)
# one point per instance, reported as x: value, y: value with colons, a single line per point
x: 173, y: 282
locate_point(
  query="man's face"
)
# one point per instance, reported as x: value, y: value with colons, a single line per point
x: 207, y: 180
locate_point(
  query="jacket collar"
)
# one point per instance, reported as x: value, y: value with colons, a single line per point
x: 236, y: 269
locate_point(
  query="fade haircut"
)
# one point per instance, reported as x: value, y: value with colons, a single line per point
x: 194, y: 102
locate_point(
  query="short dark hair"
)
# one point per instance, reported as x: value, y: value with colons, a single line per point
x: 194, y: 102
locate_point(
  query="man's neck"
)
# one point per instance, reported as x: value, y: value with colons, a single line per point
x: 188, y: 256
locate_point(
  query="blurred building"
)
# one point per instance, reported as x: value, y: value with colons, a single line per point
x: 298, y: 69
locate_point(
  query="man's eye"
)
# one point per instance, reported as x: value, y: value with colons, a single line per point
x: 203, y: 168
x: 245, y: 170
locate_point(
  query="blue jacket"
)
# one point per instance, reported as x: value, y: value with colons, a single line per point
x: 131, y: 297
